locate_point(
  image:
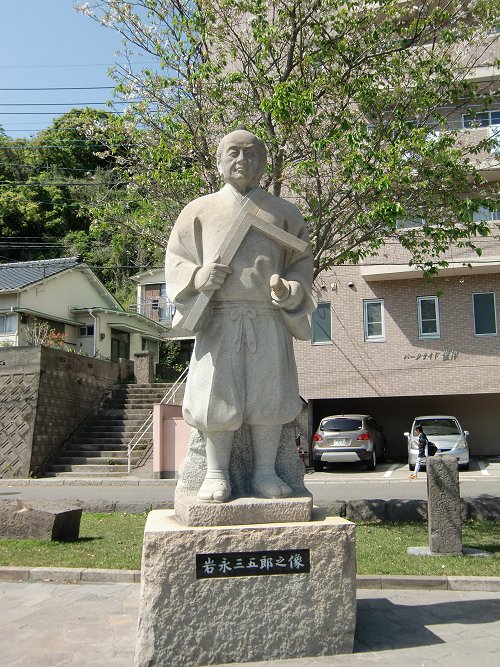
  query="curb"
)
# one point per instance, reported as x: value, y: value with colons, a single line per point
x: 68, y: 575
x: 97, y: 481
x: 430, y: 583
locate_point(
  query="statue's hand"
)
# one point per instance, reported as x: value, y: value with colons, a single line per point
x: 285, y: 294
x: 211, y: 276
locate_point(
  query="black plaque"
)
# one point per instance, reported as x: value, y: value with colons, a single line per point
x: 252, y: 563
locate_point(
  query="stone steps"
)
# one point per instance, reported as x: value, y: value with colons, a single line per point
x: 101, y: 431
x: 90, y: 469
x: 78, y: 457
x: 87, y: 475
x: 104, y: 437
x: 98, y: 443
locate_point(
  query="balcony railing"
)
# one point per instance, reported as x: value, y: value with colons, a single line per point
x: 158, y: 308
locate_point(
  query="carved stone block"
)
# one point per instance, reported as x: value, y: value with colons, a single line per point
x: 39, y: 520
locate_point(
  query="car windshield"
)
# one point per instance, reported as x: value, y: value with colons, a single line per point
x: 341, y: 424
x: 439, y: 427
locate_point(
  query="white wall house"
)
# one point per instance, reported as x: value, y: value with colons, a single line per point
x: 67, y: 295
x: 152, y: 300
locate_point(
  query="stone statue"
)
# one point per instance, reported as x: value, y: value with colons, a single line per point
x: 239, y: 269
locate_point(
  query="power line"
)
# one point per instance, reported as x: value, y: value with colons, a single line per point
x: 19, y: 184
x: 62, y: 104
x: 45, y: 113
x: 68, y: 142
x: 49, y: 167
x: 63, y: 88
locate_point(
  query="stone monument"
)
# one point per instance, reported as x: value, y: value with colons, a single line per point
x: 241, y: 570
x: 444, y: 512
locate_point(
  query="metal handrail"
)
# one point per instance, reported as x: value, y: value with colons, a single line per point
x: 146, y: 426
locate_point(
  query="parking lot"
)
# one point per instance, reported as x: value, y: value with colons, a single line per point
x: 480, y: 469
x: 344, y: 481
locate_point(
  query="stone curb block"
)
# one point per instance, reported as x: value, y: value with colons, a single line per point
x: 364, y: 581
x: 12, y: 573
x: 410, y: 582
x: 68, y: 575
x: 488, y: 584
x: 111, y: 576
x: 101, y: 481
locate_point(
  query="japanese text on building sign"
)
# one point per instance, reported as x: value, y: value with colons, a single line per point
x: 252, y: 563
x: 447, y: 355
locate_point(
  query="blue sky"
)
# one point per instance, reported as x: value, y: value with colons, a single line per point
x: 46, y: 44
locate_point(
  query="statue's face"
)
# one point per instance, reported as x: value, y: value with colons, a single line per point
x: 241, y: 162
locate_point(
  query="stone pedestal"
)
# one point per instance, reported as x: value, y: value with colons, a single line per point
x: 193, y: 512
x: 246, y: 592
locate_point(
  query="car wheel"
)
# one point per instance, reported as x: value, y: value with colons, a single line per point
x: 318, y: 466
x: 371, y: 464
x: 411, y: 467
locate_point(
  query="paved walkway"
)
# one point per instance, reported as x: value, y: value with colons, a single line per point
x: 80, y: 625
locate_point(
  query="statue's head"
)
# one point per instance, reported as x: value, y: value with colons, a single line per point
x: 241, y: 159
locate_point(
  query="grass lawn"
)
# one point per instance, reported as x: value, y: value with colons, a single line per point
x: 115, y: 541
x: 111, y: 541
x: 381, y: 549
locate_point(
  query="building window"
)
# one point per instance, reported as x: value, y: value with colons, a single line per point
x: 486, y: 214
x: 410, y: 223
x: 8, y: 324
x: 428, y: 317
x: 485, y: 319
x: 481, y: 118
x: 87, y: 330
x: 150, y: 346
x: 321, y: 324
x: 374, y: 319
x: 494, y: 134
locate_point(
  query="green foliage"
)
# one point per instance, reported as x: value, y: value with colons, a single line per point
x: 49, y: 188
x: 44, y: 183
x: 169, y: 355
x: 347, y: 95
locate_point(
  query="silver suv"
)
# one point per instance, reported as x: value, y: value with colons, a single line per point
x: 348, y: 439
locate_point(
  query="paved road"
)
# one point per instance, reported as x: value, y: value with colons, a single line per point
x: 344, y: 482
x: 94, y: 625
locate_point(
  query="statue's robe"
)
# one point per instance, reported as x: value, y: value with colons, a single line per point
x: 242, y: 370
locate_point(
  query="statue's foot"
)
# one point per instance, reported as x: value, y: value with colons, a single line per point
x: 215, y: 489
x: 267, y: 484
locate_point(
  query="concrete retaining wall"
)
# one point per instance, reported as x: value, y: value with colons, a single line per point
x: 44, y: 394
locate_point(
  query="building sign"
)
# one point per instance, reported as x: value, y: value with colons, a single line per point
x: 252, y: 563
x: 447, y: 355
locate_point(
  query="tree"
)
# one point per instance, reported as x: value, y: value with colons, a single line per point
x: 351, y: 97
x: 39, y: 332
x: 44, y: 182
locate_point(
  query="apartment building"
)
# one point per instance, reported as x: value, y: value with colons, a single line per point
x: 387, y: 343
